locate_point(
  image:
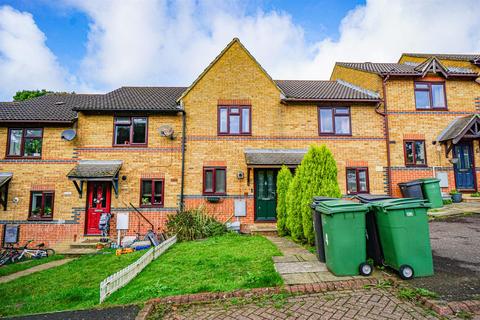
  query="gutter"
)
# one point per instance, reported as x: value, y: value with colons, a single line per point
x: 285, y: 100
x: 387, y: 133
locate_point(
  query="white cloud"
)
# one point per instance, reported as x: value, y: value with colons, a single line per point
x: 163, y: 42
x: 25, y: 61
x: 166, y: 43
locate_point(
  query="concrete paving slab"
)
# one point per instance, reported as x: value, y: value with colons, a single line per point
x: 300, y: 267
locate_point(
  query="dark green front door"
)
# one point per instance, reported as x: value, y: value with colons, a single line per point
x: 265, y: 194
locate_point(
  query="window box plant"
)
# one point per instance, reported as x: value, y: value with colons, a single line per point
x: 456, y: 196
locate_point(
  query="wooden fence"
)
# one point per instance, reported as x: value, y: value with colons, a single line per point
x: 119, y: 279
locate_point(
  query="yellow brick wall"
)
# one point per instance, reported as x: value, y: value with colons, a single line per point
x: 274, y: 125
x: 367, y: 80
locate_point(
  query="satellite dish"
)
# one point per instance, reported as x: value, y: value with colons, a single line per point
x: 69, y: 134
x: 166, y: 131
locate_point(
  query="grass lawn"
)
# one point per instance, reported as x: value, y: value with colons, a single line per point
x: 16, y: 267
x: 223, y: 263
x: 74, y: 285
x: 217, y: 264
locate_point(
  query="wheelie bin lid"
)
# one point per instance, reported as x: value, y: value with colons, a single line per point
x: 400, y: 203
x: 340, y: 206
x: 318, y: 199
x: 410, y: 183
x: 429, y: 180
x: 367, y: 197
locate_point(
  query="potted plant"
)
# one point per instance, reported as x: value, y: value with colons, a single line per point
x: 47, y: 211
x: 456, y: 196
x: 34, y: 148
x: 146, y: 201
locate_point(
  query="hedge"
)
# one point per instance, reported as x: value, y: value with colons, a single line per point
x: 283, y: 181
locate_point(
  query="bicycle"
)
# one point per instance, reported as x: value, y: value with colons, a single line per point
x: 13, y: 255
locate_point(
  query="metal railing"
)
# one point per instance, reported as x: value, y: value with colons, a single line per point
x: 121, y: 278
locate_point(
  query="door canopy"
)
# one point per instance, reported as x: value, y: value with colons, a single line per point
x: 95, y: 170
x: 461, y: 128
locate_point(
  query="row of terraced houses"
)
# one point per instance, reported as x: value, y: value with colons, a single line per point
x: 67, y: 158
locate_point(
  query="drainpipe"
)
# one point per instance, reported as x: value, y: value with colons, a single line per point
x: 182, y: 185
x: 387, y: 133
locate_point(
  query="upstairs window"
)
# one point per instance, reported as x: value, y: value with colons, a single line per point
x: 234, y: 120
x: 214, y: 181
x: 41, y: 205
x: 130, y: 131
x: 357, y: 180
x: 152, y: 192
x: 334, y: 121
x: 430, y: 95
x: 415, y: 153
x: 25, y: 142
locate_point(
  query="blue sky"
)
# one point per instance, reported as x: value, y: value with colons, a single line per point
x: 97, y: 46
x: 66, y: 28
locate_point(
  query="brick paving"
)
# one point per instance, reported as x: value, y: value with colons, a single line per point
x: 359, y: 304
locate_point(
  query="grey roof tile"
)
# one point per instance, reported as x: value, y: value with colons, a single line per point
x: 274, y: 156
x: 5, y: 177
x: 136, y: 99
x: 399, y: 68
x: 53, y: 107
x: 446, y: 56
x: 455, y: 129
x: 95, y: 169
x: 324, y: 90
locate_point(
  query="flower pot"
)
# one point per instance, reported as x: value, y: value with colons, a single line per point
x: 456, y: 198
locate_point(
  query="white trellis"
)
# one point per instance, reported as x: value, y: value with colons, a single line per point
x: 119, y: 279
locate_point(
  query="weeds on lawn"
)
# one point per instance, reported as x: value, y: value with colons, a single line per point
x: 464, y: 315
x: 194, y: 224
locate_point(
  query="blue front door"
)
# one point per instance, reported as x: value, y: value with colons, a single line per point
x: 464, y: 170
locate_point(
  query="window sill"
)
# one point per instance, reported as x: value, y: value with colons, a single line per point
x: 432, y: 109
x: 130, y: 146
x: 335, y: 134
x: 151, y: 206
x: 234, y: 134
x: 20, y: 158
x: 40, y: 219
x: 416, y: 165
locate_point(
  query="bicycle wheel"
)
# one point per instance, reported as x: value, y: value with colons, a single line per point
x: 50, y: 252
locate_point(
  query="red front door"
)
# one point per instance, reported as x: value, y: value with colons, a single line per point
x: 98, y: 202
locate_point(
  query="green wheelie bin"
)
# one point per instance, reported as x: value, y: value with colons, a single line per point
x: 404, y: 236
x: 431, y: 191
x: 343, y: 226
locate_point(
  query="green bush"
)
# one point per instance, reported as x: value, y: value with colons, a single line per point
x: 293, y: 204
x: 315, y: 176
x: 194, y: 224
x: 283, y: 181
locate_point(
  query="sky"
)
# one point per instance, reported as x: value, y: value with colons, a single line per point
x: 99, y: 45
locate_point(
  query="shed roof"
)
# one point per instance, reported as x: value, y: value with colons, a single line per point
x: 95, y: 170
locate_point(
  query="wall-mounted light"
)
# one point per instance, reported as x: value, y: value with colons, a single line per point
x: 124, y: 178
x: 240, y: 175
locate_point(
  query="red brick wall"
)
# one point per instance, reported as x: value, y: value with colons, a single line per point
x: 405, y: 175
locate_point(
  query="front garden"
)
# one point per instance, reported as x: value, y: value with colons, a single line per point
x: 217, y: 264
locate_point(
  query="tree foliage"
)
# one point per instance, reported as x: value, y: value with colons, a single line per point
x: 315, y: 176
x: 29, y: 94
x: 283, y: 181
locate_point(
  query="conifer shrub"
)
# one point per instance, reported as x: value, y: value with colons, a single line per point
x: 284, y: 178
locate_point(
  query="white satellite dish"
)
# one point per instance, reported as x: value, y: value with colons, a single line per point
x: 167, y: 131
x: 69, y: 134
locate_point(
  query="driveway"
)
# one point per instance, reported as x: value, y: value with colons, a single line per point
x: 456, y: 257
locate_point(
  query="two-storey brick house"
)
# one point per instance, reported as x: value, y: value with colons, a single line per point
x: 220, y: 141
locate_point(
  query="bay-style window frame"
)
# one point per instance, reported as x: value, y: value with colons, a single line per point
x: 127, y: 120
x: 414, y: 153
x: 214, y: 188
x: 244, y: 115
x: 426, y: 87
x: 43, y: 213
x: 24, y: 137
x: 336, y: 112
x: 357, y: 179
x: 153, y: 194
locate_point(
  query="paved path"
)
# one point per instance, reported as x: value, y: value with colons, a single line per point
x: 128, y: 312
x: 362, y: 304
x: 31, y: 270
x: 455, y: 209
x: 300, y: 266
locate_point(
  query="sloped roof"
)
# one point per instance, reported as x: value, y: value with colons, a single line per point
x: 95, y: 169
x: 457, y: 128
x: 217, y: 58
x: 446, y: 56
x: 5, y: 177
x: 276, y: 157
x: 402, y: 69
x: 53, y: 107
x: 152, y: 99
x: 324, y: 91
